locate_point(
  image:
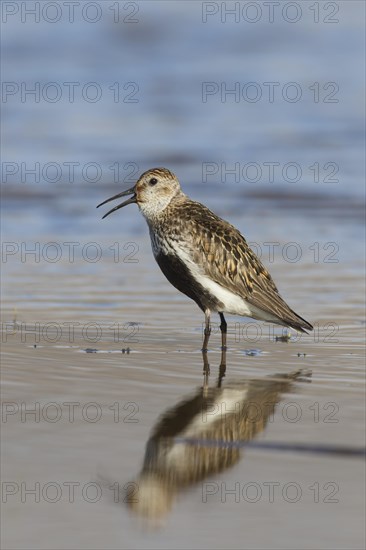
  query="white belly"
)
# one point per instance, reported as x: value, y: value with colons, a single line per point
x: 233, y: 303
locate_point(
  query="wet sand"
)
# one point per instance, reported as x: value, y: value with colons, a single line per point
x: 96, y: 406
x: 116, y: 451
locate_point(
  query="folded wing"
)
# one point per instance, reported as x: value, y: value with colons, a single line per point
x: 229, y: 261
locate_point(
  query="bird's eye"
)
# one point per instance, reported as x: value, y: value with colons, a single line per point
x: 153, y: 181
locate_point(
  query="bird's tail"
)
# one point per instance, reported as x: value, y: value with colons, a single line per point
x: 296, y: 322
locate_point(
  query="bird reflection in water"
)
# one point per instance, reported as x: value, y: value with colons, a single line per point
x: 196, y: 438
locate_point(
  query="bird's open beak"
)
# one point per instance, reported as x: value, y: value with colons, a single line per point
x: 123, y: 194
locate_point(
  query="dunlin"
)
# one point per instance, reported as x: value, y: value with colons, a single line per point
x: 206, y: 257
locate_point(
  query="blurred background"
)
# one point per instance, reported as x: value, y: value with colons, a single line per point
x: 258, y: 107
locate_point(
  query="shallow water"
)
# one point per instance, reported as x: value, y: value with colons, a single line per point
x: 65, y: 347
x: 107, y: 353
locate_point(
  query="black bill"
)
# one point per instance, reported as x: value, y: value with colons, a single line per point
x: 123, y: 194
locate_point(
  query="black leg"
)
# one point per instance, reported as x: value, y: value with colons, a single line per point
x: 223, y: 328
x: 207, y: 332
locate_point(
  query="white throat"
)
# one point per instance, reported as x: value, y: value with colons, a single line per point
x: 153, y: 209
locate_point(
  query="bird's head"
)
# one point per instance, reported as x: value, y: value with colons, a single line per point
x: 152, y: 192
